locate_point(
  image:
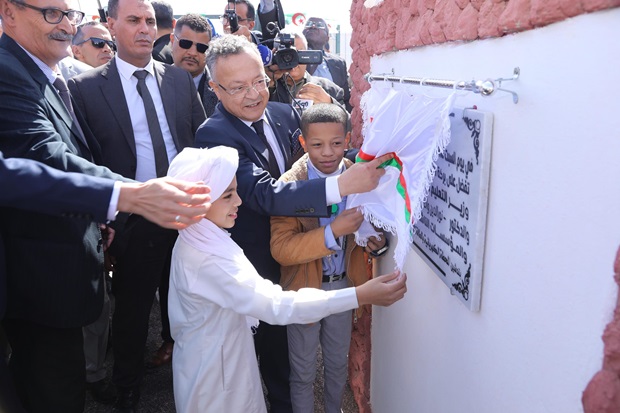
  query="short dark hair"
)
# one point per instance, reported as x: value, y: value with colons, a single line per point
x: 163, y: 14
x: 113, y: 9
x: 323, y: 113
x: 251, y: 10
x: 79, y: 34
x: 195, y: 22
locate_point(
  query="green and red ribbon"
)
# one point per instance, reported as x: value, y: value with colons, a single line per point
x: 401, y: 185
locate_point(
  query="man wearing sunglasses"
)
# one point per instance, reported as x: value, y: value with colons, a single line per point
x: 190, y: 42
x: 93, y: 44
x: 333, y: 67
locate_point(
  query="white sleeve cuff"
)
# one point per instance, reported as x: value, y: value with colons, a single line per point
x: 113, y: 208
x: 332, y: 191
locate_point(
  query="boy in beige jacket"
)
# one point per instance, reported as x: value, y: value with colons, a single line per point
x: 320, y: 253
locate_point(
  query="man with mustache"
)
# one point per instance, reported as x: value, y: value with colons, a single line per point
x: 190, y: 41
x: 54, y: 264
x: 145, y: 113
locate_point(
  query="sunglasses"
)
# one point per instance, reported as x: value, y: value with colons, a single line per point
x: 187, y: 44
x: 99, y: 43
x: 317, y: 25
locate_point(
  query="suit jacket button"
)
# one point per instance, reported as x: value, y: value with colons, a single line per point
x: 312, y: 210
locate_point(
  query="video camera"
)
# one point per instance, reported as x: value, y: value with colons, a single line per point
x: 233, y: 20
x: 286, y: 56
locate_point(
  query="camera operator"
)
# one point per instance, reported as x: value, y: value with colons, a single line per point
x: 298, y: 83
x: 239, y: 18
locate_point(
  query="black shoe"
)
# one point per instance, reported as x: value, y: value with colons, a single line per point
x: 127, y: 400
x: 102, y: 391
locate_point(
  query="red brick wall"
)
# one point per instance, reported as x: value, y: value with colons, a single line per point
x: 405, y: 24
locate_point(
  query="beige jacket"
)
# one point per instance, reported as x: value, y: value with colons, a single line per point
x: 298, y: 244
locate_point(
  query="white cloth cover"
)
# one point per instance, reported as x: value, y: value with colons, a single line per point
x: 214, y: 292
x: 416, y: 128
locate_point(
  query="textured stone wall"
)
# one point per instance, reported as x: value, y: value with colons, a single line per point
x: 405, y: 24
x: 603, y: 392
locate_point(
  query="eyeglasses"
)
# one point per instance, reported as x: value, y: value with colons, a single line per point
x: 224, y: 19
x: 99, y: 43
x: 241, y: 91
x: 54, y: 15
x: 313, y: 24
x: 187, y: 44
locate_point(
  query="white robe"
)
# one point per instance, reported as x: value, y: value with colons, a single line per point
x: 211, y: 302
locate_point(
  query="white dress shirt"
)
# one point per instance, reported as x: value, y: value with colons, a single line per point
x: 145, y: 169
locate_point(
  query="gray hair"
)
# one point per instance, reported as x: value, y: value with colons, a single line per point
x: 227, y: 45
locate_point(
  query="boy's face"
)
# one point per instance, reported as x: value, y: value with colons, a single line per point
x: 325, y: 144
x: 223, y: 211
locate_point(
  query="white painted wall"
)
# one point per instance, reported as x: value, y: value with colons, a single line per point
x: 552, y: 233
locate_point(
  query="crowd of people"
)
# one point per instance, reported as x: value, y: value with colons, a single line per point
x: 172, y: 156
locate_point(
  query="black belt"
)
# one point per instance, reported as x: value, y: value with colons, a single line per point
x: 334, y: 278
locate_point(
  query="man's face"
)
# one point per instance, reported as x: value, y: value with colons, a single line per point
x: 240, y: 70
x: 49, y: 42
x: 316, y: 32
x: 135, y: 30
x: 242, y: 17
x: 90, y: 54
x: 297, y: 73
x: 189, y: 59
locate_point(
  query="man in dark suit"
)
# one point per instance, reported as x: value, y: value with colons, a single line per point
x: 265, y: 135
x: 162, y: 50
x: 189, y: 42
x: 54, y: 265
x: 333, y: 67
x: 32, y: 186
x: 147, y: 112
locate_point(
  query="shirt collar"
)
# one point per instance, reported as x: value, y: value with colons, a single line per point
x: 127, y: 69
x: 249, y: 124
x: 49, y: 73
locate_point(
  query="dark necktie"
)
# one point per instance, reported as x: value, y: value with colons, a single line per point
x: 157, y: 138
x: 63, y: 91
x: 274, y: 170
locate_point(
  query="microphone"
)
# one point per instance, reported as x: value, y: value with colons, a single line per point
x: 265, y: 54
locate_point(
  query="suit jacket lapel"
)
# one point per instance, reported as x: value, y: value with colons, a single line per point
x: 48, y: 90
x: 280, y: 130
x: 112, y: 91
x: 249, y: 135
x: 166, y: 89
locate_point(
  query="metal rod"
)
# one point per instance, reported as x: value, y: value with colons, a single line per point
x: 483, y: 87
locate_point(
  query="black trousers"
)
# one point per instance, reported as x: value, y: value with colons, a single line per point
x: 271, y: 345
x: 47, y: 366
x: 145, y: 260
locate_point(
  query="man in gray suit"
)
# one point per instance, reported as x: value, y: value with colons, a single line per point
x: 144, y: 113
x: 300, y: 84
x: 333, y: 67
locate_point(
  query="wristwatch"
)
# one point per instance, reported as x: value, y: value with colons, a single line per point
x: 380, y: 251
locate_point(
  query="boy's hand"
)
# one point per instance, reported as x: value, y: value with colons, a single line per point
x: 347, y: 222
x: 374, y: 244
